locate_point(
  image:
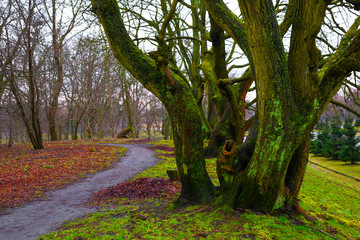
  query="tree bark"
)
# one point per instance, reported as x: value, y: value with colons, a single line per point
x: 129, y: 128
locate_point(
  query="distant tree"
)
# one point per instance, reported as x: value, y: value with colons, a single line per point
x: 334, y: 142
x: 60, y: 28
x: 318, y: 146
x: 322, y: 125
x: 22, y: 74
x: 349, y: 151
x: 129, y: 130
x: 357, y: 122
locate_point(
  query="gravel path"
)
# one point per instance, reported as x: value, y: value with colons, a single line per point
x: 42, y: 216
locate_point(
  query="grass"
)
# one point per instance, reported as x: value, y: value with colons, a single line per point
x: 340, y: 166
x: 334, y: 202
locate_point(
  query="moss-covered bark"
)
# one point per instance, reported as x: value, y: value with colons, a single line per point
x: 291, y: 97
x: 187, y: 132
x: 230, y: 100
x: 295, y: 173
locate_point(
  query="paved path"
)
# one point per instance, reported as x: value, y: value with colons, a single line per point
x: 42, y: 216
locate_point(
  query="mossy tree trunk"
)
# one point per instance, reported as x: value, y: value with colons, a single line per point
x: 291, y: 95
x: 229, y: 100
x: 124, y: 133
x: 174, y: 92
x: 223, y: 129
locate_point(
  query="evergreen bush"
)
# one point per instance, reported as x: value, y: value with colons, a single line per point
x: 333, y: 144
x: 349, y: 152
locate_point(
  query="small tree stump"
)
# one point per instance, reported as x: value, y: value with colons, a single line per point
x: 173, y: 175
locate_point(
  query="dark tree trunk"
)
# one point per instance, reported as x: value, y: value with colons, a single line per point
x: 223, y: 130
x: 129, y: 128
x: 295, y: 172
x: 32, y: 122
x: 266, y: 171
x: 188, y: 141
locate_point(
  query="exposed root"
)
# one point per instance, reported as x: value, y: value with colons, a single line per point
x: 300, y: 210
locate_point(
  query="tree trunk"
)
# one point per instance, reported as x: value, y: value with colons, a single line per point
x: 125, y: 132
x: 129, y: 128
x: 166, y: 126
x: 32, y: 122
x: 223, y: 130
x: 57, y: 47
x: 295, y: 173
x: 188, y: 141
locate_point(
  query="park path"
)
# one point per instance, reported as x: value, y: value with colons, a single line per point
x: 42, y: 216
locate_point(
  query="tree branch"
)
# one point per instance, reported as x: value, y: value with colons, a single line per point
x: 167, y: 19
x: 347, y: 108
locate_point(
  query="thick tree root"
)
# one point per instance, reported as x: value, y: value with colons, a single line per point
x: 300, y: 210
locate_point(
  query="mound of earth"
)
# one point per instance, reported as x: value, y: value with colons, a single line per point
x: 139, y: 189
x: 138, y: 141
x: 163, y: 148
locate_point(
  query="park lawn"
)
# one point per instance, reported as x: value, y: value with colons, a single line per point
x: 337, y: 165
x: 26, y: 173
x: 335, y: 203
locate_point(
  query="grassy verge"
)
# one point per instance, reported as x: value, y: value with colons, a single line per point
x: 335, y: 203
x: 340, y: 166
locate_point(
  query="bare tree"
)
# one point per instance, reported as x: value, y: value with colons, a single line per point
x: 28, y: 32
x: 61, y: 19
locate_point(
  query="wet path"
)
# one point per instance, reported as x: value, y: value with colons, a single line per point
x: 42, y: 216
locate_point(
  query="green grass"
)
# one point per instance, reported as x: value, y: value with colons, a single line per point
x: 340, y: 166
x: 334, y: 202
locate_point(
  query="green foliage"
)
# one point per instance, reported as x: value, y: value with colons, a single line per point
x: 322, y: 125
x: 349, y: 151
x: 337, y: 143
x: 333, y: 144
x: 318, y: 145
x: 357, y: 122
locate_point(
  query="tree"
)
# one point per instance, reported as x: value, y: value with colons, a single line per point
x: 349, y: 152
x: 24, y: 80
x: 333, y: 143
x: 318, y: 146
x: 126, y: 98
x: 266, y: 171
x: 357, y: 122
x: 59, y: 33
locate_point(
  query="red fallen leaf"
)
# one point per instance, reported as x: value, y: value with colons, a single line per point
x: 26, y: 173
x: 139, y: 189
x: 204, y: 235
x: 162, y: 148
